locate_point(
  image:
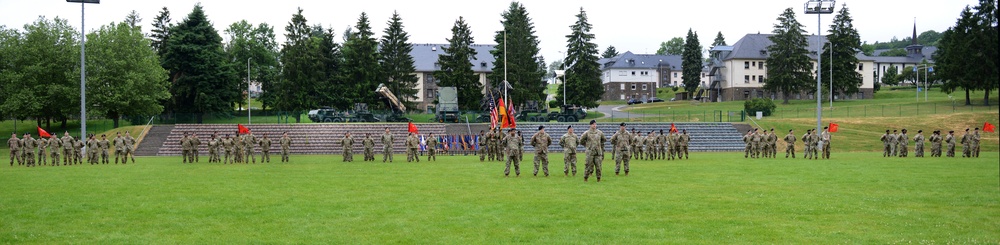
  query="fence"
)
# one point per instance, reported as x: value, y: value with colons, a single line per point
x: 883, y: 110
x: 680, y: 116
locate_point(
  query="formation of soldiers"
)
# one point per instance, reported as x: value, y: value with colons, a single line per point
x: 761, y: 143
x: 896, y: 143
x: 232, y: 149
x: 31, y: 152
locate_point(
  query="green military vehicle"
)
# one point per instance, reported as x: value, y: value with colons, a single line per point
x: 360, y: 113
x: 532, y: 111
x: 398, y: 113
x: 447, y: 105
x: 568, y: 113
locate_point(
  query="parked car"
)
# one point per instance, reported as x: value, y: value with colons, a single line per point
x: 634, y: 101
x: 654, y: 99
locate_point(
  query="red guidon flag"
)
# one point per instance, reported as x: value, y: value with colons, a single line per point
x: 986, y: 127
x: 44, y: 134
x: 243, y: 130
x: 673, y: 128
x: 412, y: 128
x: 833, y: 127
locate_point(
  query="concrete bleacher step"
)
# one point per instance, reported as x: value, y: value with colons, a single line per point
x: 153, y: 141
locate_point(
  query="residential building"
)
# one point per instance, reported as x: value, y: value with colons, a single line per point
x: 637, y: 76
x: 425, y: 59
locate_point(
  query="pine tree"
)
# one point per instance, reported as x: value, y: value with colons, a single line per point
x: 960, y: 61
x: 719, y: 40
x: 521, y: 64
x: 583, y: 78
x: 161, y: 31
x: 203, y: 82
x: 361, y: 67
x: 133, y: 20
x: 789, y: 68
x: 846, y: 43
x: 456, y: 67
x: 397, y: 61
x: 610, y: 52
x: 309, y: 76
x: 691, y: 62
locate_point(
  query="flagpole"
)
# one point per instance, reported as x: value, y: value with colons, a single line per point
x: 505, y: 83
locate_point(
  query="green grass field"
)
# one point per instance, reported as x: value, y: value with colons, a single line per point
x: 714, y: 198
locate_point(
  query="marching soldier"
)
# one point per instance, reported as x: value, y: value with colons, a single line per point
x: 593, y: 139
x: 790, y: 143
x: 541, y: 141
x: 432, y: 143
x: 919, y: 144
x: 119, y: 143
x: 569, y: 142
x: 806, y: 146
x: 15, y: 149
x: 412, y: 146
x: 286, y: 145
x: 511, y: 144
x: 130, y: 148
x: 387, y: 145
x: 966, y: 144
x: 28, y: 145
x: 213, y: 148
x: 746, y: 141
x: 481, y: 142
x: 265, y: 149
x: 886, y: 149
x: 975, y: 143
x: 950, y: 140
x: 904, y: 144
x: 105, y: 145
x: 348, y: 144
x: 67, y: 144
x: 621, y: 142
x: 369, y: 144
x: 227, y: 147
x: 825, y: 137
x: 55, y: 145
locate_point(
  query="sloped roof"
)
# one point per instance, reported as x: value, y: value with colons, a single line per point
x: 629, y: 60
x: 754, y: 46
x: 425, y: 57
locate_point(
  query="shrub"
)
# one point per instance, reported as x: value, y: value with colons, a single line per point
x: 765, y: 105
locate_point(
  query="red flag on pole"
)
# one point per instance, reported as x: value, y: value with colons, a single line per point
x: 412, y: 128
x: 833, y: 127
x: 242, y: 129
x: 989, y: 127
x: 511, y: 116
x: 44, y: 134
x: 673, y: 128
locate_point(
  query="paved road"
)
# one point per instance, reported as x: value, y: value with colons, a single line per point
x: 619, y: 112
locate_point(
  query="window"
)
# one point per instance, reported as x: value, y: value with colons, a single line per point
x: 633, y: 73
x: 621, y: 96
x: 754, y: 78
x: 633, y: 86
x: 746, y: 95
x: 675, y: 75
x: 746, y: 65
x: 746, y: 79
x: 861, y: 95
x: 644, y: 87
x: 760, y: 78
x: 623, y: 86
x: 760, y: 94
x: 622, y: 73
x: 861, y: 67
x: 753, y: 63
x: 760, y: 65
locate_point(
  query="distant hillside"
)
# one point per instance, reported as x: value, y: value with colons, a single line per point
x: 895, y: 45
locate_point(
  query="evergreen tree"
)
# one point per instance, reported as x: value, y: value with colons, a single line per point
x: 257, y: 45
x: 846, y: 43
x: 309, y: 75
x: 161, y: 31
x: 691, y: 62
x: 890, y: 76
x: 521, y: 52
x: 133, y: 20
x: 397, y: 61
x: 610, y: 52
x: 719, y: 40
x: 961, y: 61
x: 789, y: 68
x: 124, y: 76
x: 456, y: 67
x: 203, y: 82
x: 583, y: 78
x: 361, y: 67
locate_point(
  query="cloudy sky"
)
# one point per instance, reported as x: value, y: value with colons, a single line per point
x: 629, y: 25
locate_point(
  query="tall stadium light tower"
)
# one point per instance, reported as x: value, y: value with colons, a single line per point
x: 83, y: 69
x: 819, y: 7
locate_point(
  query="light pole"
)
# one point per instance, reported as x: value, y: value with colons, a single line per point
x: 819, y: 7
x: 248, y: 91
x: 927, y: 68
x: 562, y: 73
x: 83, y: 68
x: 831, y: 75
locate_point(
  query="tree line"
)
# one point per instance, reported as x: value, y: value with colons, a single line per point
x: 185, y: 69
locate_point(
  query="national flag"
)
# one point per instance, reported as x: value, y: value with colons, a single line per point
x: 502, y: 112
x: 44, y: 134
x: 673, y: 129
x: 989, y: 127
x: 411, y: 128
x: 242, y: 129
x: 423, y: 143
x: 833, y: 127
x: 493, y: 116
x: 512, y: 115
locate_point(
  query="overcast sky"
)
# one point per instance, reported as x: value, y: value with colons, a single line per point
x: 637, y: 26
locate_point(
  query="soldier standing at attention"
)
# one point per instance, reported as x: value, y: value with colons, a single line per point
x: 541, y: 141
x: 348, y: 144
x: 249, y: 143
x: 919, y: 144
x: 92, y: 147
x: 15, y: 149
x: 412, y: 146
x: 213, y: 148
x: 67, y: 144
x: 28, y: 145
x: 621, y: 142
x: 805, y: 145
x: 78, y: 150
x: 104, y: 145
x: 675, y: 143
x: 816, y: 139
x: 635, y: 146
x: 935, y: 140
x: 481, y: 142
x: 755, y: 146
x: 975, y: 143
x: 650, y: 145
x: 511, y: 144
x: 42, y: 144
x: 684, y: 141
x: 119, y: 143
x: 432, y: 143
x: 238, y: 148
x: 130, y: 148
x: 904, y: 144
x: 765, y: 144
x: 387, y: 145
x: 227, y: 146
x: 54, y: 146
x: 195, y: 144
x: 185, y: 148
x: 790, y: 143
x: 661, y: 146
x: 773, y: 141
x: 369, y: 144
x: 286, y: 144
x: 893, y: 143
x: 950, y: 140
x: 966, y: 144
x: 746, y: 142
x: 265, y: 149
x: 593, y: 139
x: 886, y: 150
x: 569, y: 142
x: 491, y: 144
x: 825, y: 137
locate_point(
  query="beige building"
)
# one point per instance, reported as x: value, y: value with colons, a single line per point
x: 425, y: 59
x: 739, y: 72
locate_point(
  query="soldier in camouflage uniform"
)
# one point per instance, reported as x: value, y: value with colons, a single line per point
x: 195, y: 144
x: 213, y: 148
x: 67, y: 144
x: 593, y: 139
x: 286, y: 145
x: 348, y: 147
x: 806, y: 146
x: 918, y: 141
x: 966, y: 144
x: 119, y: 143
x: 815, y: 140
x: 510, y: 142
x: 886, y: 149
x: 935, y: 140
x: 520, y: 146
x: 541, y: 141
x: 185, y: 148
x: 15, y: 149
x: 974, y: 143
x: 42, y: 144
x: 904, y: 143
x: 950, y: 141
x: 104, y: 145
x: 748, y: 147
x: 249, y: 143
x: 685, y: 139
x: 826, y: 137
x: 650, y: 145
x: 432, y: 143
x: 675, y: 145
x: 92, y: 148
x: 765, y: 144
x: 265, y: 149
x: 28, y: 145
x: 635, y: 146
x: 55, y: 145
x: 238, y: 150
x: 661, y: 145
x: 790, y: 143
x: 369, y: 144
x: 387, y: 146
x: 755, y: 144
x: 491, y: 145
x: 621, y: 141
x: 130, y: 148
x: 412, y: 146
x: 227, y: 146
x: 568, y: 142
x: 78, y: 150
x: 893, y: 143
x: 773, y: 142
x: 481, y: 142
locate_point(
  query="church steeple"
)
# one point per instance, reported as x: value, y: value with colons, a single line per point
x: 914, y: 49
x: 914, y: 40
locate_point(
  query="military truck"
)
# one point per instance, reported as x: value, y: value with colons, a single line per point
x: 568, y: 113
x: 359, y: 113
x: 447, y: 105
x: 532, y: 111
